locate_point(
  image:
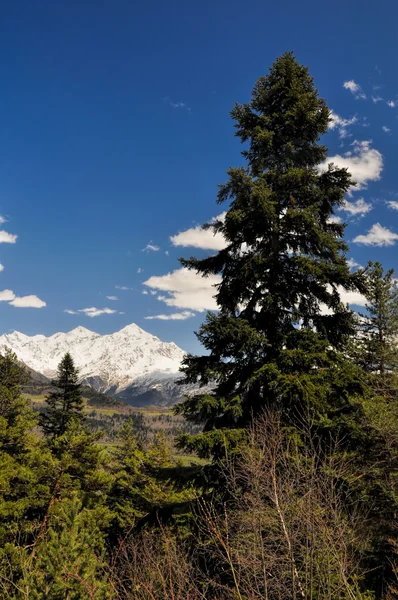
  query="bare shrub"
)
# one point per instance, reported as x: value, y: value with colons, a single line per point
x: 154, y: 566
x: 288, y: 531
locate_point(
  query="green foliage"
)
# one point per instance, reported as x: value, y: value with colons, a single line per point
x: 272, y: 341
x: 68, y: 561
x: 64, y: 405
x: 82, y: 464
x: 25, y: 465
x: 140, y: 483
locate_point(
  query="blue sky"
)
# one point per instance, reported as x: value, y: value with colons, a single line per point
x: 115, y: 130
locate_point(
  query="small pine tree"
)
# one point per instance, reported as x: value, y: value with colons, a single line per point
x: 379, y: 328
x: 65, y: 404
x: 68, y: 561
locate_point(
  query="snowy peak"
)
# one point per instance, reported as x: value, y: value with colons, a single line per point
x: 116, y: 360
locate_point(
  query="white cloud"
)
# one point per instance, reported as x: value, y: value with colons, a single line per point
x: 377, y: 236
x: 352, y: 86
x: 150, y: 247
x: 7, y: 238
x: 377, y: 99
x: 337, y: 122
x: 335, y: 219
x: 139, y: 270
x: 7, y: 296
x: 349, y: 297
x: 355, y: 89
x: 31, y: 301
x: 112, y: 298
x: 357, y: 208
x: 71, y: 312
x: 353, y: 263
x: 392, y: 204
x: 2, y: 220
x: 179, y: 316
x: 145, y: 292
x: 197, y: 237
x: 363, y: 162
x: 391, y: 104
x: 124, y: 288
x: 386, y: 129
x: 186, y: 289
x: 96, y: 312
x: 1, y: 267
x: 346, y: 297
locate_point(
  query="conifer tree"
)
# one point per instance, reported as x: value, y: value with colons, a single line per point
x: 68, y: 561
x: 26, y: 468
x: 65, y: 404
x: 378, y: 329
x: 281, y: 326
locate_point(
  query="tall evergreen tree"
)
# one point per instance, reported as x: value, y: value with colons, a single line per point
x: 65, y: 404
x: 272, y: 341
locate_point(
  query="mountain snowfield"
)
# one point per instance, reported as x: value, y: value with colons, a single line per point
x: 130, y: 363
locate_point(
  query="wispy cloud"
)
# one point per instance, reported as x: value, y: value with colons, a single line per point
x: 123, y: 288
x: 355, y: 89
x: 97, y: 312
x: 377, y: 99
x: 112, y: 298
x: 377, y: 236
x: 178, y: 316
x: 151, y: 248
x: 386, y: 129
x: 358, y: 208
x: 341, y: 124
x: 353, y: 263
x: 139, y: 270
x: 92, y: 311
x: 391, y: 103
x: 392, y: 204
x: 180, y: 105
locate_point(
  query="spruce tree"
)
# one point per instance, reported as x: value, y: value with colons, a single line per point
x: 26, y: 467
x: 378, y: 329
x: 280, y: 329
x: 65, y: 404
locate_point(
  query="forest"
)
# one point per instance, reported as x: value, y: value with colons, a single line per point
x: 290, y: 489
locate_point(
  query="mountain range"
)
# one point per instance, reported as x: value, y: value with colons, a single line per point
x: 130, y: 364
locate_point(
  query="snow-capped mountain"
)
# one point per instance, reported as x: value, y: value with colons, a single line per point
x: 131, y: 363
